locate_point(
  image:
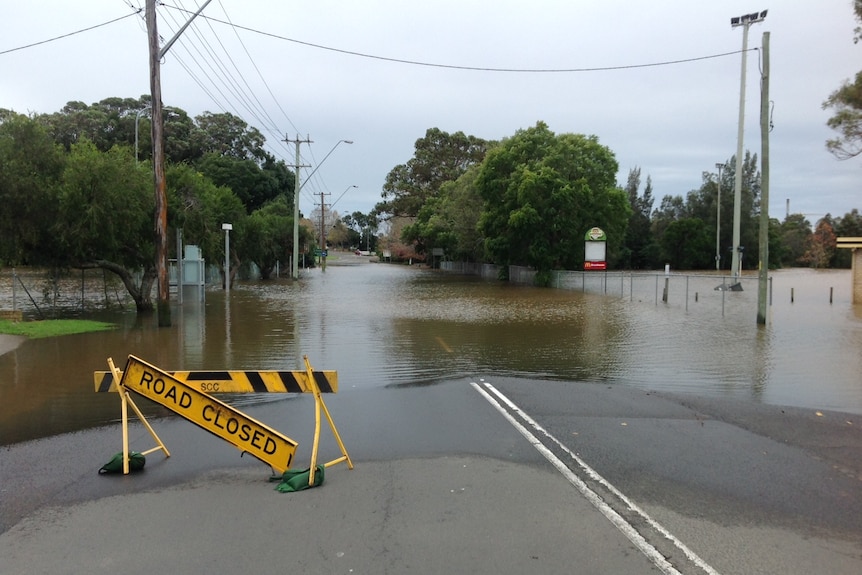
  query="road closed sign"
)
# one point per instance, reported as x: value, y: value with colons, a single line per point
x: 205, y: 411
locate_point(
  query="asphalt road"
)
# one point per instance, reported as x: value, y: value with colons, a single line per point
x: 483, y: 475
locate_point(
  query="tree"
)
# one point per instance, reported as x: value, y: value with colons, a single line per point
x: 795, y: 234
x: 846, y: 102
x: 366, y: 226
x: 687, y: 244
x: 227, y: 135
x: 821, y: 244
x: 267, y: 237
x: 253, y: 185
x: 542, y: 192
x: 104, y: 218
x: 439, y: 157
x: 339, y: 234
x: 30, y: 169
x: 640, y: 250
x: 701, y: 204
x: 848, y: 226
x: 449, y: 221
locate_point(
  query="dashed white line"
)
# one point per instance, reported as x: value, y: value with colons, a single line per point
x: 615, y: 518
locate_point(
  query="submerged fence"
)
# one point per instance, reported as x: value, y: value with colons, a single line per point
x: 710, y: 292
x: 37, y: 293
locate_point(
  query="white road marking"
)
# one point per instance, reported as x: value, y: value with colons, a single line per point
x: 624, y: 526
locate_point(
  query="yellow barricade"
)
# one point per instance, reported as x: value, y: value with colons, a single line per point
x: 186, y: 393
x: 241, y: 381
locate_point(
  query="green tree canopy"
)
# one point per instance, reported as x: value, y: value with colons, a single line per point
x: 450, y: 220
x: 253, y: 185
x: 542, y: 192
x: 846, y: 102
x: 105, y: 217
x: 439, y: 157
x: 701, y: 204
x: 200, y: 207
x: 31, y: 165
x: 640, y: 250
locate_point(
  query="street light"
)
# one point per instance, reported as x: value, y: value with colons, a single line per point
x: 297, y: 188
x: 745, y: 21
x: 718, y: 221
x: 342, y: 195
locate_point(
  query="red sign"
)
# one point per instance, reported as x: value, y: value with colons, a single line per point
x: 588, y: 265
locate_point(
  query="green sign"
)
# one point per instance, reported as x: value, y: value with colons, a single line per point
x: 596, y: 235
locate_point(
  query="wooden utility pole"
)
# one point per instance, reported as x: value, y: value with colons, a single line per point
x: 158, y: 128
x: 161, y: 210
x: 763, y: 272
x: 323, y: 251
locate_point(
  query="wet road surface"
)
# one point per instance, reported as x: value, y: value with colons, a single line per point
x: 484, y: 474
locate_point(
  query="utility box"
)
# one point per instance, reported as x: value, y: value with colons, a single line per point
x: 194, y: 270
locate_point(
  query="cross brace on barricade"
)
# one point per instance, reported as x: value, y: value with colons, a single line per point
x: 177, y: 392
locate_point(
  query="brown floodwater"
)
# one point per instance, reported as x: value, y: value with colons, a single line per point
x: 384, y: 325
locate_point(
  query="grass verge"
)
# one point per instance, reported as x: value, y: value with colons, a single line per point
x: 52, y: 327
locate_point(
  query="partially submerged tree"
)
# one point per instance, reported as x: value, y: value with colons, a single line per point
x: 104, y: 218
x: 542, y: 192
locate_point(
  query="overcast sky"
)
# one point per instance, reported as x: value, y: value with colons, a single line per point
x: 331, y: 70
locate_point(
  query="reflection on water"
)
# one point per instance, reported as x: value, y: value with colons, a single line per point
x: 382, y: 325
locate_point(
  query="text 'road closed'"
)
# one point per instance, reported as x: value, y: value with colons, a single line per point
x: 220, y: 419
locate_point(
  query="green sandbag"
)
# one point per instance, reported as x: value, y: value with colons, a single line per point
x: 115, y: 465
x: 296, y: 480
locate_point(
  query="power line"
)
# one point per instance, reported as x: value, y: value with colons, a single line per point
x: 69, y: 34
x: 475, y: 68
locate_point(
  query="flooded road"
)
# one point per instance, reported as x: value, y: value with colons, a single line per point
x: 384, y: 325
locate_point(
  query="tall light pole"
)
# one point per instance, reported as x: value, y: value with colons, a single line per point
x: 718, y: 221
x: 296, y: 189
x: 745, y: 21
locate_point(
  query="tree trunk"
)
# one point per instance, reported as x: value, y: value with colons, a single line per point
x: 142, y: 295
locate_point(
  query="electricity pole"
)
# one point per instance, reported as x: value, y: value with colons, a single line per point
x: 158, y: 123
x: 764, y: 186
x: 296, y: 187
x: 323, y: 252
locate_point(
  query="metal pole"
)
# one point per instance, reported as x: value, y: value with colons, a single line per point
x: 718, y: 222
x: 737, y: 189
x: 745, y: 21
x: 180, y: 266
x: 764, y: 186
x: 227, y: 228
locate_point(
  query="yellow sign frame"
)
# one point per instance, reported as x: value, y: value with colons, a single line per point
x: 319, y: 406
x: 176, y: 392
x: 222, y: 420
x: 125, y: 402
